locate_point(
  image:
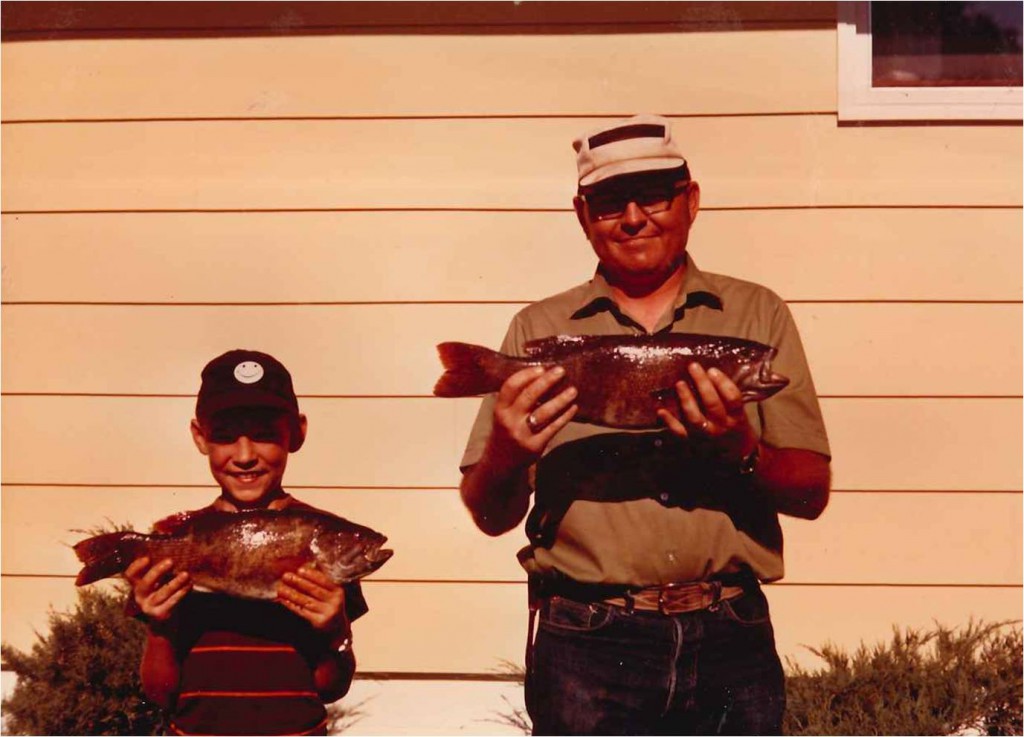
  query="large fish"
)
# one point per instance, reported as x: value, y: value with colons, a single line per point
x: 622, y: 380
x: 241, y: 553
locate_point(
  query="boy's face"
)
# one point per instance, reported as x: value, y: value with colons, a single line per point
x: 248, y: 452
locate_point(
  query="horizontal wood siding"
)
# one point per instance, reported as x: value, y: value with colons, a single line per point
x: 396, y: 74
x: 435, y: 540
x: 399, y: 441
x: 347, y: 184
x: 414, y: 256
x: 493, y: 163
x: 476, y: 626
x: 389, y: 349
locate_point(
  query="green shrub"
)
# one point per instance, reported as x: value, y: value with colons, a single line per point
x: 943, y: 681
x: 83, y: 676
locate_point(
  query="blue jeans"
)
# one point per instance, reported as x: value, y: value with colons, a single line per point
x: 598, y: 669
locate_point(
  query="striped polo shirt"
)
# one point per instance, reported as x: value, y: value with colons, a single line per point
x: 642, y: 508
x: 247, y: 667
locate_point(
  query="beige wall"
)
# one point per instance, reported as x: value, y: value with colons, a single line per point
x: 347, y: 185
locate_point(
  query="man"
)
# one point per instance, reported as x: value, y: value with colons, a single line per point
x: 647, y: 548
x: 223, y: 665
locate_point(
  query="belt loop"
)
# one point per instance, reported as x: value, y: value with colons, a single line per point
x: 716, y: 596
x: 627, y: 595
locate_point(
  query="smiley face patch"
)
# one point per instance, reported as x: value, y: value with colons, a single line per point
x: 248, y: 372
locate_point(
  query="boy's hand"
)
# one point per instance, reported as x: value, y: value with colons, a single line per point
x: 317, y: 599
x: 155, y: 595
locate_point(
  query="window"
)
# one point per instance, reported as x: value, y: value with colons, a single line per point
x: 930, y: 60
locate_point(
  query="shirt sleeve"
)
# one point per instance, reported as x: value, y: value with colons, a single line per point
x: 355, y: 602
x: 511, y: 345
x: 792, y: 418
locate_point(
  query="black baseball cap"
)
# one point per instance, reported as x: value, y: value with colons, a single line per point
x: 244, y: 378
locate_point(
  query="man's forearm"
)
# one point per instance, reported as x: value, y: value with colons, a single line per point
x: 498, y: 497
x: 796, y: 480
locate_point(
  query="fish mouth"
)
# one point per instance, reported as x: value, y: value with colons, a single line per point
x: 363, y: 562
x: 768, y: 382
x: 378, y: 556
x: 374, y: 559
x: 763, y: 384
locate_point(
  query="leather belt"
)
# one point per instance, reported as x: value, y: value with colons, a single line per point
x: 673, y: 598
x: 676, y: 598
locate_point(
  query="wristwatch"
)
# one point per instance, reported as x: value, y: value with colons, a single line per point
x: 749, y: 462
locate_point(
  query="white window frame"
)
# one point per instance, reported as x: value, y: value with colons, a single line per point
x: 858, y: 100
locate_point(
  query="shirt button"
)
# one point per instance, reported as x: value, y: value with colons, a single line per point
x: 658, y: 442
x: 663, y: 496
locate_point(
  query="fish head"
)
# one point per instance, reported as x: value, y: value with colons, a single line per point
x: 347, y: 552
x: 758, y: 381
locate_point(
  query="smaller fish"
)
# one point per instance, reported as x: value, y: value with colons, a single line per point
x: 241, y: 553
x: 622, y: 380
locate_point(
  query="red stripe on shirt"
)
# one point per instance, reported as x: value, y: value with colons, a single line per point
x: 244, y: 649
x: 248, y: 694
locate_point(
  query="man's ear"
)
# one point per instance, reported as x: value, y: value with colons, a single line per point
x: 199, y: 438
x: 693, y: 200
x: 298, y: 439
x: 581, y: 214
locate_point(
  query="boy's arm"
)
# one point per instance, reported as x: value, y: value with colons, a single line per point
x: 332, y: 675
x: 321, y: 602
x: 160, y: 669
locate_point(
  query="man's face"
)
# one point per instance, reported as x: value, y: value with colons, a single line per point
x: 638, y: 226
x: 248, y: 451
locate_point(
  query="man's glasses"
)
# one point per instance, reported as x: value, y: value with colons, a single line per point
x: 651, y: 198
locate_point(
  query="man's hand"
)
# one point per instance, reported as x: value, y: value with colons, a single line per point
x: 797, y: 480
x: 522, y: 428
x: 714, y: 414
x: 317, y: 599
x: 154, y: 594
x: 495, y: 489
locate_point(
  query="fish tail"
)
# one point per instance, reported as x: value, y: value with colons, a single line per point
x: 105, y: 555
x: 470, y: 370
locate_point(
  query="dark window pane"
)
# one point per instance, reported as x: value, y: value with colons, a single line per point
x: 946, y: 44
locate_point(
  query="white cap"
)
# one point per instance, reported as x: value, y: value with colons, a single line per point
x: 640, y: 143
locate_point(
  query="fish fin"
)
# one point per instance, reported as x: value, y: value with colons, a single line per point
x: 293, y: 563
x: 173, y: 524
x: 104, y: 555
x: 469, y: 370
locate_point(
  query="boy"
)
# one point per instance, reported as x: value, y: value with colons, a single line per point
x: 224, y: 665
